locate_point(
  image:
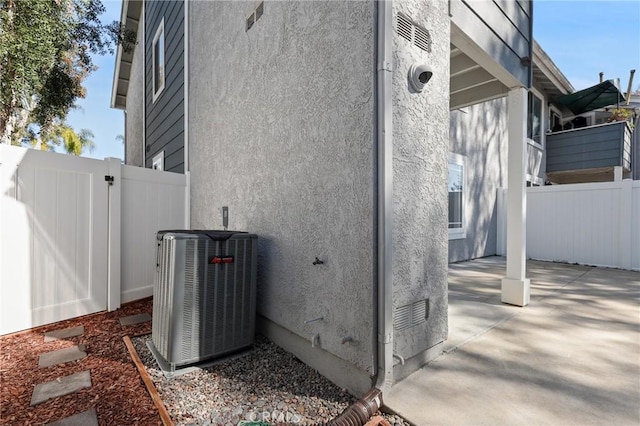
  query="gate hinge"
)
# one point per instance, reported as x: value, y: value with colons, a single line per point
x: 109, y: 179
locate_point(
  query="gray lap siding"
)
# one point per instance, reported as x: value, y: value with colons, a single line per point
x: 501, y: 28
x: 164, y: 127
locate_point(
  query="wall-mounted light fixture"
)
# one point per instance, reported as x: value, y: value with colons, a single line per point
x: 419, y: 76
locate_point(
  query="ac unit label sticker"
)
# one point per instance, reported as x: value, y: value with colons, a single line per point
x: 221, y: 259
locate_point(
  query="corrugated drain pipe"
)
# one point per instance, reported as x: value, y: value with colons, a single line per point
x: 360, y: 411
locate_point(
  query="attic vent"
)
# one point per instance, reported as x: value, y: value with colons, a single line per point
x: 415, y: 34
x: 411, y: 315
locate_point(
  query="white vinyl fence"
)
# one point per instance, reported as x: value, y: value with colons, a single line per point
x: 589, y: 223
x: 73, y: 244
x: 151, y: 201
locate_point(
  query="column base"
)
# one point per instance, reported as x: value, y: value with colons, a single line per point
x: 516, y: 292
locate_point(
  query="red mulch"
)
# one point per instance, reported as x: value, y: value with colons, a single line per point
x: 117, y: 391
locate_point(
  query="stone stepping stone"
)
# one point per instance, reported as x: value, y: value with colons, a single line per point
x: 60, y: 387
x: 86, y: 418
x: 63, y: 333
x: 135, y: 319
x: 61, y: 356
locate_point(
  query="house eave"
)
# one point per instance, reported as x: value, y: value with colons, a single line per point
x: 547, y: 76
x: 130, y: 16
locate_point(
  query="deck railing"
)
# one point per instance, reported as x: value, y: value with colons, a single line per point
x: 603, y: 145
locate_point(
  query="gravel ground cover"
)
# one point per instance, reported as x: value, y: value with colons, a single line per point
x: 265, y: 383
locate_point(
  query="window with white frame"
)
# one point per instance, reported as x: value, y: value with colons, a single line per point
x: 158, y: 61
x: 158, y: 161
x: 457, y: 188
x: 534, y: 118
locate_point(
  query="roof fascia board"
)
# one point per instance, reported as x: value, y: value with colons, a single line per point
x: 129, y: 14
x: 544, y: 63
x: 116, y: 69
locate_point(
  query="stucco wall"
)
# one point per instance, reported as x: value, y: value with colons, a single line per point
x: 134, y: 124
x: 281, y: 125
x: 421, y: 135
x: 479, y: 132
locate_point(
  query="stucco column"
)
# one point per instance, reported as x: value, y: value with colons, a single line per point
x: 515, y: 286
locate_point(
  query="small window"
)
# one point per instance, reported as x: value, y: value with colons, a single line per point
x: 158, y: 61
x: 555, y: 121
x: 534, y: 119
x: 456, y: 188
x: 158, y: 161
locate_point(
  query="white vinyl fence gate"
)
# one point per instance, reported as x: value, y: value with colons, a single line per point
x: 588, y: 223
x: 77, y: 235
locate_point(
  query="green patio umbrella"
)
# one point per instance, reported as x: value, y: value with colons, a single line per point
x: 594, y: 97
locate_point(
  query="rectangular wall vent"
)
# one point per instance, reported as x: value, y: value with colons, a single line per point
x: 411, y: 315
x: 413, y: 33
x: 254, y: 16
x: 402, y: 317
x: 404, y: 27
x: 422, y: 39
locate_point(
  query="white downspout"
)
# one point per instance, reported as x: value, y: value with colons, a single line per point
x: 187, y: 194
x: 359, y: 412
x: 144, y: 86
x: 385, y: 195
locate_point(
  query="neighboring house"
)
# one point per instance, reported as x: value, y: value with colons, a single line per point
x: 324, y: 127
x: 567, y: 142
x: 478, y: 159
x: 586, y: 145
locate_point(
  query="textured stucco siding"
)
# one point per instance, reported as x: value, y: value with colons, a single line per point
x: 421, y: 139
x: 281, y: 130
x: 479, y: 132
x: 134, y: 130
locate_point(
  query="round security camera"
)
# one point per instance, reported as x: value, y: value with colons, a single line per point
x: 419, y: 75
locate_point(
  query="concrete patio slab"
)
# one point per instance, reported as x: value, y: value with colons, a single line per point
x: 569, y: 358
x: 474, y: 294
x: 61, y: 356
x: 86, y: 418
x: 64, y: 333
x: 60, y: 387
x: 135, y: 319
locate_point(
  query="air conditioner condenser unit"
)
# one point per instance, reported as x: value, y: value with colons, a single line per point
x: 204, y: 294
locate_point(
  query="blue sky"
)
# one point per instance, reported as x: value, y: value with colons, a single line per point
x: 94, y: 113
x: 586, y: 37
x: 581, y: 37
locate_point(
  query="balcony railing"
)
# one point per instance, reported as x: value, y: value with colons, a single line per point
x: 597, y: 149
